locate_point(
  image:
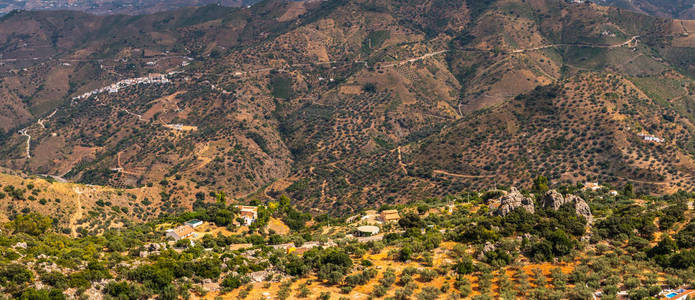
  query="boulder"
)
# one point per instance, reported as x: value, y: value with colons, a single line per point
x: 487, y: 248
x: 553, y: 199
x: 512, y: 201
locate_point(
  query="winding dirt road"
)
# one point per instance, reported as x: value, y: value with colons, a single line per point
x: 400, y: 161
x: 407, y: 61
x: 631, y: 40
x: 442, y: 172
x: 28, y: 148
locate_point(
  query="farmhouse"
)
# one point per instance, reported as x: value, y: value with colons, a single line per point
x: 650, y: 138
x: 390, y: 215
x: 593, y: 186
x: 248, y: 213
x: 677, y: 294
x: 371, y: 217
x: 181, y: 232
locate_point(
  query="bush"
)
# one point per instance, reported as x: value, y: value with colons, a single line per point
x: 428, y: 293
x: 43, y: 294
x: 379, y: 291
x: 55, y: 279
x: 15, y: 274
x: 427, y: 275
x: 124, y: 290
x: 231, y: 282
x: 32, y: 224
x: 369, y: 87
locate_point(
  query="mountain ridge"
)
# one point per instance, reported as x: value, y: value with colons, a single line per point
x: 103, y: 7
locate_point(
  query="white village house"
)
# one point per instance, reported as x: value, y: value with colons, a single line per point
x: 248, y: 214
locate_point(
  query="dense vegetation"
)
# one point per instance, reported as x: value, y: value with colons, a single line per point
x: 636, y: 243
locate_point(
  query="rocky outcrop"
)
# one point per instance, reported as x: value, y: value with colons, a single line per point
x: 512, y: 201
x: 553, y: 199
x: 487, y: 248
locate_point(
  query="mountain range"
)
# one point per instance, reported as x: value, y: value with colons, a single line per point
x: 343, y: 104
x: 129, y: 7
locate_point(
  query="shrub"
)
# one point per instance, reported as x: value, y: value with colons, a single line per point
x: 428, y: 293
x: 32, y: 224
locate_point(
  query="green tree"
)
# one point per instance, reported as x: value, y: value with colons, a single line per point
x: 32, y: 224
x: 540, y: 184
x: 629, y: 190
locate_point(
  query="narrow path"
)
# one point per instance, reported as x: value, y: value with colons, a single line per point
x: 400, y: 161
x: 634, y: 180
x: 403, y: 62
x: 268, y: 69
x: 41, y: 121
x: 78, y: 212
x: 56, y: 178
x: 28, y: 147
x: 633, y: 39
x: 120, y: 168
x: 442, y: 172
x: 439, y: 117
x: 323, y: 190
x: 132, y: 114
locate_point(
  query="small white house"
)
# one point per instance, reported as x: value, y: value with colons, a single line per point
x: 680, y: 294
x: 593, y: 186
x: 248, y: 214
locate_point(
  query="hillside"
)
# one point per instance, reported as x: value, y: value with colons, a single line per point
x: 128, y: 7
x: 91, y: 209
x: 569, y: 243
x: 340, y: 104
x: 675, y: 9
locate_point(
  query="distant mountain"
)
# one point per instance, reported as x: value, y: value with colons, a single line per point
x: 130, y: 7
x: 675, y: 9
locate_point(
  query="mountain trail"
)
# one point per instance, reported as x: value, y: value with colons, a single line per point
x: 442, y: 172
x: 400, y: 161
x: 78, y: 212
x: 28, y: 147
x: 631, y: 40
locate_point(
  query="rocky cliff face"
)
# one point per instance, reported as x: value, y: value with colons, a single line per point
x: 553, y: 199
x: 512, y: 201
